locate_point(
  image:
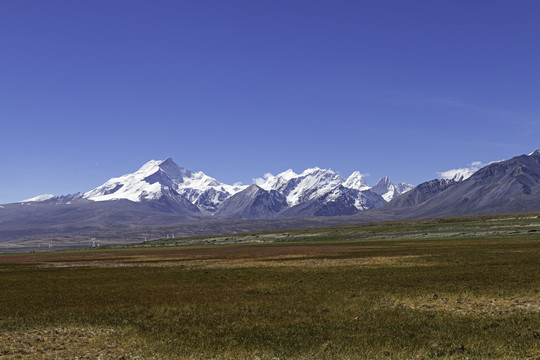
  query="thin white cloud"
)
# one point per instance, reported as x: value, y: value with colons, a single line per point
x: 461, y: 174
x: 262, y: 181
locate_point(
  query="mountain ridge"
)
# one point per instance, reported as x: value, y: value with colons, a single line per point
x: 168, y: 187
x: 502, y: 187
x: 505, y: 186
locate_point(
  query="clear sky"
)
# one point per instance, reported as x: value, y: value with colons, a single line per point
x: 90, y: 90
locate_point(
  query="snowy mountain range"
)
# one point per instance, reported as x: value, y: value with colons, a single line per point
x: 171, y: 188
x: 162, y: 195
x: 158, y: 180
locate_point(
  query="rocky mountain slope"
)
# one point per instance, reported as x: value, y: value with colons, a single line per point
x: 253, y: 203
x: 505, y: 186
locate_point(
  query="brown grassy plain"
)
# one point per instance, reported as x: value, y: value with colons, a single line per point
x: 456, y: 297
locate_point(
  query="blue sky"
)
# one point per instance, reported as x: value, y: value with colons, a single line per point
x: 93, y: 89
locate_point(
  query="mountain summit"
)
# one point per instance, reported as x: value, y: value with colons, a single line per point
x: 388, y: 190
x: 165, y: 180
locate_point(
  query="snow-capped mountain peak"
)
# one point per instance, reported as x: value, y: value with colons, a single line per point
x: 457, y: 174
x: 39, y: 198
x: 158, y: 178
x: 297, y: 188
x: 388, y: 190
x: 356, y: 181
x: 129, y: 186
x: 312, y: 183
x: 271, y: 182
x: 461, y: 174
x: 313, y: 170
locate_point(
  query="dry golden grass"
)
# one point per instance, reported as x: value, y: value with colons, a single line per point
x: 68, y: 343
x: 469, y: 304
x: 277, y: 261
x: 467, y: 298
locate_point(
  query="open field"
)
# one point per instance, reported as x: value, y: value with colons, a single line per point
x: 443, y: 288
x: 249, y: 231
x: 459, y: 227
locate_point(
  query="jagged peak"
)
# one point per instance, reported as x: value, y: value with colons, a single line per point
x: 383, y: 185
x: 356, y: 181
x: 287, y: 174
x: 269, y: 180
x: 385, y: 180
x: 168, y: 165
x: 173, y: 170
x: 253, y: 189
x: 356, y: 174
x: 317, y: 171
x: 168, y: 160
x: 149, y: 167
x: 155, y: 176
